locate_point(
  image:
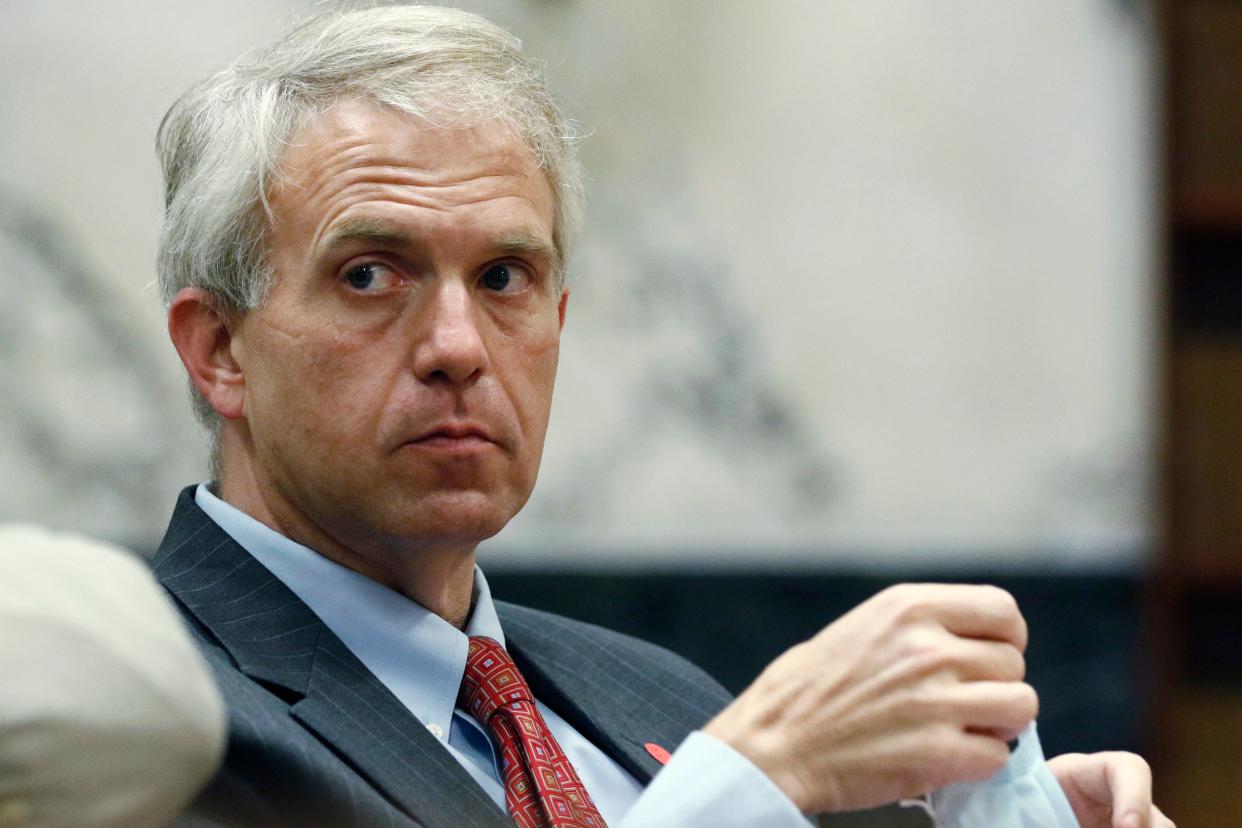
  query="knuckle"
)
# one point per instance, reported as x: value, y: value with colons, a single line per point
x: 984, y: 761
x: 1135, y: 762
x: 921, y: 642
x: 1015, y: 660
x: 925, y: 652
x: 900, y: 599
x: 890, y: 594
x: 1029, y: 699
x: 956, y: 661
x: 1007, y: 665
x: 1001, y: 595
x: 1004, y: 601
x: 945, y: 739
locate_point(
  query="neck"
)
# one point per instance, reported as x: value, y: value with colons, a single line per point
x: 439, y: 578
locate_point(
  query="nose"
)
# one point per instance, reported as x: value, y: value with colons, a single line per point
x: 450, y: 347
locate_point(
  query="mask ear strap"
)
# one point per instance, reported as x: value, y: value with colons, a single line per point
x: 923, y: 803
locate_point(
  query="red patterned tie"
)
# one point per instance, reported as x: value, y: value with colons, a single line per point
x: 542, y: 789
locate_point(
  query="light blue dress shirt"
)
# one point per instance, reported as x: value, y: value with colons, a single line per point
x: 421, y: 659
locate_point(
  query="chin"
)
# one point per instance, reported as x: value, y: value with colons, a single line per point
x: 455, y: 518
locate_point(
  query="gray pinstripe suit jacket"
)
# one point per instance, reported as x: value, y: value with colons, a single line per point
x: 316, y: 740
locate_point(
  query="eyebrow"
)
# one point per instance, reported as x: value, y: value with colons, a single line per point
x: 366, y: 229
x: 381, y: 232
x: 528, y: 244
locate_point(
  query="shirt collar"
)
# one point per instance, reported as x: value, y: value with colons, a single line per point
x: 417, y: 655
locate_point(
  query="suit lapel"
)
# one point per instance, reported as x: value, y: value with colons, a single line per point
x: 351, y: 711
x: 278, y: 641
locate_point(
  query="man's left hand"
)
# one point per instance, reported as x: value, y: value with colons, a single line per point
x: 1108, y: 790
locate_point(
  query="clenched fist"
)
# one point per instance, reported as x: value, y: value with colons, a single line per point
x: 918, y: 687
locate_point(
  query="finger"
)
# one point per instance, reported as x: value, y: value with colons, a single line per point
x: 1129, y: 781
x: 998, y: 709
x: 969, y: 757
x: 1159, y: 820
x: 972, y: 611
x: 972, y: 659
x: 959, y: 757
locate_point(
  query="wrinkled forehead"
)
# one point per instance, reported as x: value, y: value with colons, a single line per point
x: 358, y: 157
x: 440, y: 142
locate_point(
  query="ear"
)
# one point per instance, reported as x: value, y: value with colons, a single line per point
x: 201, y: 334
x: 560, y: 307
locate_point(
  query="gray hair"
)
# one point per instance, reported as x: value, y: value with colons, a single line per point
x: 222, y: 142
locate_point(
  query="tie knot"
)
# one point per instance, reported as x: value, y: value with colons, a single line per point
x: 492, y: 680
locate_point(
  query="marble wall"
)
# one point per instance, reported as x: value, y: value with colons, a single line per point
x: 864, y: 284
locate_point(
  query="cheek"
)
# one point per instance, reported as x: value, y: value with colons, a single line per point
x: 323, y: 387
x: 535, y: 367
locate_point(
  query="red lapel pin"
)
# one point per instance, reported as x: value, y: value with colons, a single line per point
x: 658, y: 753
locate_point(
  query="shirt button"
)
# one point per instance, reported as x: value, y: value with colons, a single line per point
x: 436, y: 730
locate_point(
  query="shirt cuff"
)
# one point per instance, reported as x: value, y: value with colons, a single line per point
x: 706, y: 782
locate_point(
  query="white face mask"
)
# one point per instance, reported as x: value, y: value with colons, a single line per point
x: 1024, y: 794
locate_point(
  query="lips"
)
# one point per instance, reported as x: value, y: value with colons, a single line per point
x: 456, y: 433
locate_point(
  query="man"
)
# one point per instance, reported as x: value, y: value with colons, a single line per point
x: 363, y: 255
x: 108, y: 716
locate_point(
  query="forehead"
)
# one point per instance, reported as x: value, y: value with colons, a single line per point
x: 361, y: 160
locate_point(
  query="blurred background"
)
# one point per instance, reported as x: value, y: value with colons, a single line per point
x: 869, y: 292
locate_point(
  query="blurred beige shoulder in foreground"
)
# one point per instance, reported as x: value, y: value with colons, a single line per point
x: 108, y: 715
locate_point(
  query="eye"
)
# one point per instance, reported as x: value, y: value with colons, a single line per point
x: 505, y: 278
x: 371, y: 277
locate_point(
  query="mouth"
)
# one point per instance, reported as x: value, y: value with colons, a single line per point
x: 454, y: 437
